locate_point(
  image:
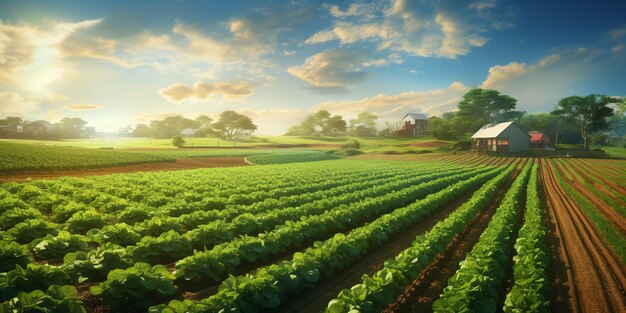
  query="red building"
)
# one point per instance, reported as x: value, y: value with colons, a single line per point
x: 538, y: 140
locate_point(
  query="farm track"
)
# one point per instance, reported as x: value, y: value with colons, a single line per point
x: 420, y: 295
x: 180, y: 164
x: 611, y: 214
x: 316, y: 299
x: 595, y: 277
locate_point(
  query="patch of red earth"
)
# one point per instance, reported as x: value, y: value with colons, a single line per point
x: 180, y: 164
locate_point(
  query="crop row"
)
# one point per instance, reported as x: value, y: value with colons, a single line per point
x: 268, y: 285
x: 474, y: 287
x: 384, y: 286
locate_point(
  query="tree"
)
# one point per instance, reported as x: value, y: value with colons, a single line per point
x: 335, y: 124
x: 171, y: 126
x: 617, y: 122
x: 141, y: 131
x: 441, y: 127
x: 589, y: 113
x: 71, y: 127
x: 178, y: 141
x: 232, y: 125
x: 204, y: 126
x: 364, y: 124
x: 480, y: 107
x: 13, y: 121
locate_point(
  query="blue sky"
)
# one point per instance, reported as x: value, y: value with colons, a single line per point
x: 116, y: 63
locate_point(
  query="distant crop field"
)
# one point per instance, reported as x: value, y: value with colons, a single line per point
x: 442, y: 233
x: 16, y: 157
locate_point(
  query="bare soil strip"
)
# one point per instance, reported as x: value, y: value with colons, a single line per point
x: 595, y: 276
x: 420, y: 295
x: 603, y: 207
x: 601, y: 184
x: 583, y: 167
x: 179, y: 164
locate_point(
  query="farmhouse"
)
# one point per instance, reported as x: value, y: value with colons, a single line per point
x: 502, y: 137
x: 414, y: 124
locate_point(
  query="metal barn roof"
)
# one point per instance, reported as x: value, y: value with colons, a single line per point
x: 492, y: 130
x: 416, y: 116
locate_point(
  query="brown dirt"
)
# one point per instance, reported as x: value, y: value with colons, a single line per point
x: 179, y: 164
x: 595, y: 278
x: 611, y: 214
x: 430, y: 144
x: 588, y: 170
x: 420, y: 295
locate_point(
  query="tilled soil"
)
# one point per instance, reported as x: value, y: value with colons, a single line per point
x: 594, y: 277
x: 179, y: 164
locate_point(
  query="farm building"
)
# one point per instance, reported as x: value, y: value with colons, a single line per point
x: 414, y: 124
x: 538, y: 140
x: 502, y: 137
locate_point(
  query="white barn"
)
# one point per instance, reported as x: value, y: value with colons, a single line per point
x: 503, y: 137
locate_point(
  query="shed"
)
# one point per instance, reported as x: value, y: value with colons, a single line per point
x: 502, y: 137
x: 538, y: 140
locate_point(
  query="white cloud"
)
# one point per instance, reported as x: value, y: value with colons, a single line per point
x: 204, y: 91
x: 13, y: 104
x: 418, y: 29
x: 146, y: 118
x: 393, y: 107
x: 331, y: 69
x: 539, y: 86
x: 83, y: 107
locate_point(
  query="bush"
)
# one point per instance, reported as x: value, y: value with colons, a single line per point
x: 178, y: 141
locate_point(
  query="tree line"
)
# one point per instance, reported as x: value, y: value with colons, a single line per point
x: 574, y: 119
x: 230, y: 125
x: 66, y: 128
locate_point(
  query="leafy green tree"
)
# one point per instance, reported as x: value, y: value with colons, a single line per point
x: 335, y: 124
x: 441, y: 127
x: 617, y: 122
x: 171, y: 126
x: 482, y: 106
x: 589, y: 113
x: 71, y: 127
x: 367, y: 119
x: 232, y: 125
x: 141, y: 131
x: 178, y: 141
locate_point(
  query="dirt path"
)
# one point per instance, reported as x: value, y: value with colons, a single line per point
x: 420, y: 295
x: 595, y: 276
x: 179, y: 164
x: 583, y: 167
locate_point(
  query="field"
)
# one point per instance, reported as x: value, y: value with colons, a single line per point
x: 428, y: 232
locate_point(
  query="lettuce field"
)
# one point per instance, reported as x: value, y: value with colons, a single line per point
x: 373, y: 233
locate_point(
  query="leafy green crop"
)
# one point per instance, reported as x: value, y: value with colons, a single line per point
x: 30, y: 230
x: 530, y: 292
x: 140, y: 287
x: 33, y: 277
x: 57, y: 246
x: 12, y: 254
x: 56, y: 299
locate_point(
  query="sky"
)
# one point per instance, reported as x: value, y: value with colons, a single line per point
x: 118, y: 63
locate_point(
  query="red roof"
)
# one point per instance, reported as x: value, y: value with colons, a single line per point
x: 536, y: 137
